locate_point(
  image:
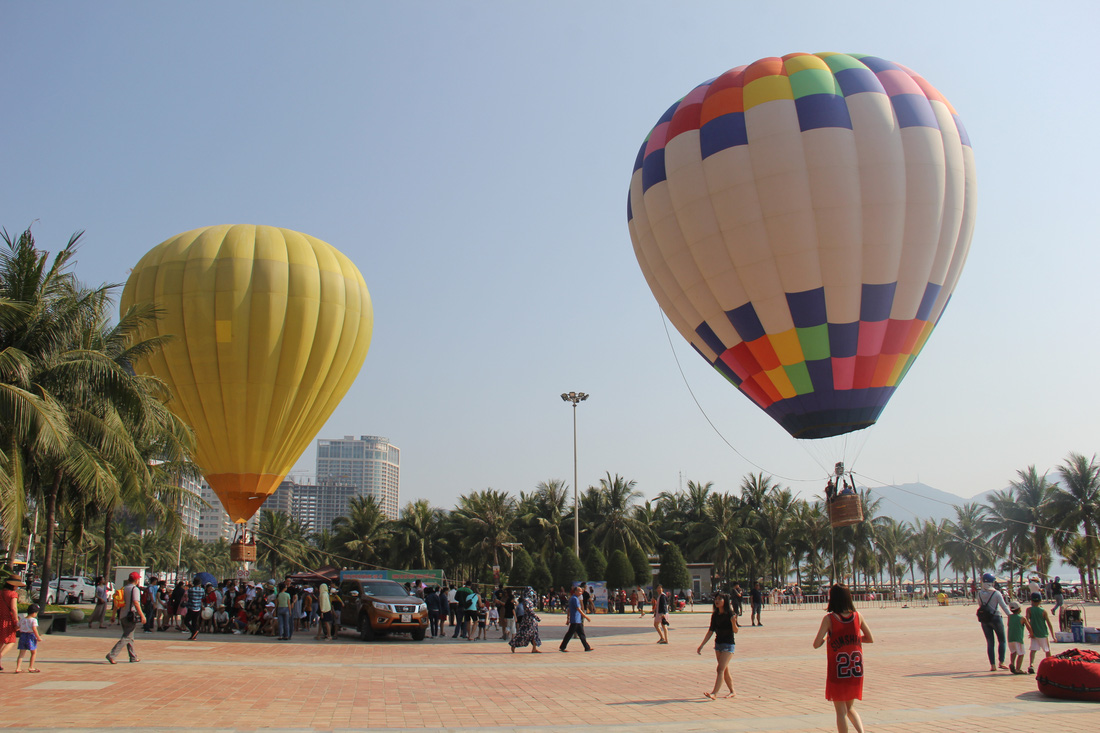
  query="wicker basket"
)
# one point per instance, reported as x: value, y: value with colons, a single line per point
x: 845, y: 510
x: 241, y: 552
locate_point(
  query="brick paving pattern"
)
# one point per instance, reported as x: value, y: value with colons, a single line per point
x: 927, y: 670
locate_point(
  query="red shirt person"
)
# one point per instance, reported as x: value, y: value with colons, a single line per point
x: 846, y: 632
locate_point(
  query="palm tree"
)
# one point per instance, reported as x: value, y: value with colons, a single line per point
x: 810, y: 538
x: 363, y: 533
x: 755, y: 489
x: 414, y: 535
x: 1006, y: 524
x: 772, y: 524
x: 540, y: 516
x: 282, y: 543
x: 891, y: 539
x: 74, y: 404
x: 966, y: 540
x: 1035, y: 494
x: 720, y: 537
x: 925, y: 548
x: 617, y: 527
x: 1076, y: 503
x: 486, y: 518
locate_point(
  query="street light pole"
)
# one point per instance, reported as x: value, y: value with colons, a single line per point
x: 575, y: 398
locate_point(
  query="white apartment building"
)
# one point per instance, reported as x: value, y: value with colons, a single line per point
x: 370, y: 463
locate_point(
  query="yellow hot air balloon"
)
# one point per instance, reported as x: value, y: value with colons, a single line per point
x: 270, y: 329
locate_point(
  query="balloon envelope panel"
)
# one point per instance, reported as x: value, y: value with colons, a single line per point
x: 270, y: 328
x: 802, y: 222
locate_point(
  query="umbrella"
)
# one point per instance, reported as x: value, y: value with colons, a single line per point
x: 204, y: 578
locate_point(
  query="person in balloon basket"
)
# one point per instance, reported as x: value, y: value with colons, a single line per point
x: 132, y: 615
x: 846, y: 633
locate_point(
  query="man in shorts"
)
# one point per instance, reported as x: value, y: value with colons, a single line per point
x: 660, y: 614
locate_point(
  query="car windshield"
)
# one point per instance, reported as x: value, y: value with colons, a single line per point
x: 384, y: 588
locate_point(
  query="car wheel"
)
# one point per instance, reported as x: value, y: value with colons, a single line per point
x: 418, y: 635
x: 366, y: 632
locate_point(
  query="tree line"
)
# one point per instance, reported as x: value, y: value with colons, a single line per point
x: 89, y: 444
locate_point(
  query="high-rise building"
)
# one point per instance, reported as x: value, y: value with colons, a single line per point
x: 189, y: 506
x: 317, y: 505
x: 214, y: 523
x: 283, y: 498
x: 369, y: 463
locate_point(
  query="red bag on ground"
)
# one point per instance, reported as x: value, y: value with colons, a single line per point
x: 1072, y: 675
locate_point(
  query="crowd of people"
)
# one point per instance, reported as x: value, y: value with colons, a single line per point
x: 230, y: 607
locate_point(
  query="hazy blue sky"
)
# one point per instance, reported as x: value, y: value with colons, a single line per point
x: 474, y: 158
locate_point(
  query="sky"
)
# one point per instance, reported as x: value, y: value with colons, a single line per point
x: 473, y: 159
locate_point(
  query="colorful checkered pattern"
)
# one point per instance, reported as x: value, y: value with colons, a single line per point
x: 803, y: 221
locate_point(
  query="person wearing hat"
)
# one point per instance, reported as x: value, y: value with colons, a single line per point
x: 990, y: 602
x: 9, y: 615
x: 1038, y: 624
x: 1015, y: 638
x: 132, y: 615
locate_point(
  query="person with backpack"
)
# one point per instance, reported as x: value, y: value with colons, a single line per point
x: 990, y: 601
x: 470, y: 616
x: 132, y: 615
x: 460, y: 612
x: 149, y: 604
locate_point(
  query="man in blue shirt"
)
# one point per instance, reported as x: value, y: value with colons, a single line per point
x: 577, y: 617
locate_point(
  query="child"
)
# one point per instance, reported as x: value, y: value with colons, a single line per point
x: 1038, y: 622
x: 494, y: 616
x: 847, y: 632
x: 28, y: 638
x: 1016, y: 638
x: 482, y: 617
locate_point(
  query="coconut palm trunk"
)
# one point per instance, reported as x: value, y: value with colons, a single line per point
x: 47, y: 550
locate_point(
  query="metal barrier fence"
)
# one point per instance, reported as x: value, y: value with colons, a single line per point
x: 817, y: 602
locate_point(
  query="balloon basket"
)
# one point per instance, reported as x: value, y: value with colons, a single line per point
x: 242, y: 552
x: 845, y: 510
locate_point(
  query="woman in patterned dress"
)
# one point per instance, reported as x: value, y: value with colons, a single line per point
x: 527, y: 624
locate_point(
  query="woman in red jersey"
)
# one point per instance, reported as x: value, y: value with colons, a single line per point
x: 846, y: 632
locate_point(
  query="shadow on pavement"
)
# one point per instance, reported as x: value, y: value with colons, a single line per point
x: 667, y: 701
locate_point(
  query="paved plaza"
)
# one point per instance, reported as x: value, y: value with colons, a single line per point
x: 926, y: 671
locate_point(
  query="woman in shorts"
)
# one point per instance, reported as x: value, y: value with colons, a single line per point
x: 723, y: 624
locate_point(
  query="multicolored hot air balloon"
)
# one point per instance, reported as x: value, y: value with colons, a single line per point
x: 271, y: 327
x: 802, y: 221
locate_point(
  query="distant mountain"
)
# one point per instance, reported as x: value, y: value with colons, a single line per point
x: 917, y: 501
x: 913, y: 502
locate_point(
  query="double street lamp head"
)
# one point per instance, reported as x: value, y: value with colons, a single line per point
x: 574, y: 397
